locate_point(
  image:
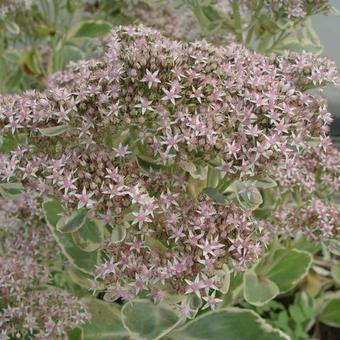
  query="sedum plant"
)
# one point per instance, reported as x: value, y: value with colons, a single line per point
x: 165, y: 170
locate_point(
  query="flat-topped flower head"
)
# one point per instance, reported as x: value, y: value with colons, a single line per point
x: 142, y: 130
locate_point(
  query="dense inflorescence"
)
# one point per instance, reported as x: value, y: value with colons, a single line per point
x: 198, y: 240
x: 314, y: 169
x: 22, y: 227
x: 29, y: 307
x: 25, y: 209
x: 189, y: 102
x: 312, y: 177
x: 313, y: 219
x: 174, y: 109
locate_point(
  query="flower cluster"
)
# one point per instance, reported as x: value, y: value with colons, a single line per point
x: 23, y: 210
x: 30, y: 308
x: 175, y: 110
x: 312, y: 219
x: 313, y: 178
x: 189, y: 241
x: 186, y: 102
x: 298, y: 8
x: 314, y: 169
x: 23, y: 230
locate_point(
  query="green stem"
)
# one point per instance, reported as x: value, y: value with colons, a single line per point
x: 224, y: 183
x: 283, y: 35
x: 254, y: 18
x: 238, y: 22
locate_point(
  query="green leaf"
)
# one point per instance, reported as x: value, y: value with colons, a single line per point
x: 194, y: 303
x: 148, y: 321
x: 195, y: 187
x: 302, y: 243
x: 203, y: 20
x: 84, y: 261
x: 215, y: 195
x: 258, y: 291
x: 262, y: 213
x: 302, y: 37
x: 118, y: 234
x: 11, y: 141
x: 12, y: 27
x: 120, y: 137
x: 211, y: 18
x: 45, y: 30
x: 148, y: 163
x: 269, y: 204
x: 31, y: 62
x: 189, y: 167
x: 335, y: 270
x: 13, y: 81
x: 306, y: 303
x: 64, y: 55
x: 200, y: 173
x: 11, y: 190
x: 73, y: 222
x: 223, y: 278
x: 212, y: 13
x: 80, y: 278
x: 75, y: 334
x: 330, y: 314
x: 228, y: 323
x: 12, y: 56
x: 54, y: 130
x: 234, y: 291
x: 90, y: 236
x: 247, y: 200
x: 71, y: 53
x: 333, y: 246
x: 70, y: 6
x: 105, y: 323
x: 89, y: 29
x: 287, y: 268
x: 264, y: 182
x: 155, y: 245
x: 53, y: 211
x: 296, y: 314
x: 213, y: 177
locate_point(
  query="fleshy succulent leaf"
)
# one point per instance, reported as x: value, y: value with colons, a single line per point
x: 228, y: 323
x: 148, y: 321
